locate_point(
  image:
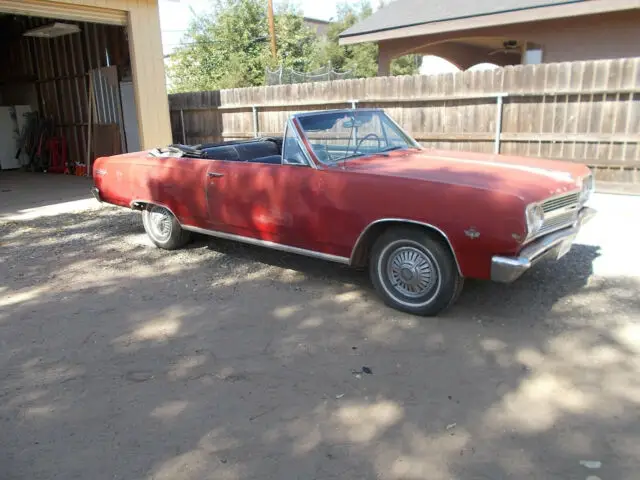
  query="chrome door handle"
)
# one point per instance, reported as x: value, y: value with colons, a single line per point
x: 215, y: 174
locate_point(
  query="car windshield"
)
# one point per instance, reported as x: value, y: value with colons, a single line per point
x: 343, y: 135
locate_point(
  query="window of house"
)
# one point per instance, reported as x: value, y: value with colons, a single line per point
x: 532, y: 54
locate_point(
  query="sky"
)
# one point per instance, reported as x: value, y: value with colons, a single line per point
x: 175, y: 16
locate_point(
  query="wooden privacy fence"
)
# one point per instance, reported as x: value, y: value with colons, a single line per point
x: 586, y: 112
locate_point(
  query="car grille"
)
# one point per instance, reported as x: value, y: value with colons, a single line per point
x: 560, y: 202
x: 559, y: 212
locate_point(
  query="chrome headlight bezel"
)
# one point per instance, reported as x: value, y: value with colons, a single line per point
x: 534, y: 215
x: 588, y: 187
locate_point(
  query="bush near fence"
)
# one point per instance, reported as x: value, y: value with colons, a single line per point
x: 587, y: 112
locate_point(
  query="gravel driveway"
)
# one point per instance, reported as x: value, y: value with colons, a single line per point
x: 220, y: 361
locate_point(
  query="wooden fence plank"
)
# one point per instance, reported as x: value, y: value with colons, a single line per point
x: 587, y: 112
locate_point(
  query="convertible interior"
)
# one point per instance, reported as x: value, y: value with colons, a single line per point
x: 260, y: 150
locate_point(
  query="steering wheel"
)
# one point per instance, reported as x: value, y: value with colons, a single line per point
x: 368, y: 135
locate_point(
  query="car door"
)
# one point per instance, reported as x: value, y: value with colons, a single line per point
x: 286, y: 203
x: 242, y: 199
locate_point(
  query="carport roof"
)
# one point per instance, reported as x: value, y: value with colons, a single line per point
x: 407, y: 13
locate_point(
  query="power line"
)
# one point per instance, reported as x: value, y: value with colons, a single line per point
x: 210, y: 42
x: 206, y: 42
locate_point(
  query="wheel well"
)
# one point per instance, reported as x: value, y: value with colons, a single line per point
x: 361, y: 252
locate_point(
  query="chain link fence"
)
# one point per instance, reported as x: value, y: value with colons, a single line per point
x: 284, y: 76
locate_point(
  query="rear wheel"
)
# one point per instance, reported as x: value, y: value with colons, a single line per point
x: 163, y: 228
x: 414, y: 272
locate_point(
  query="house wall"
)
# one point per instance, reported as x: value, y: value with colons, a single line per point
x: 596, y: 37
x: 147, y: 64
x: 592, y: 37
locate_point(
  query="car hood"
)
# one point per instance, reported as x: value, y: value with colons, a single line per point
x: 531, y: 179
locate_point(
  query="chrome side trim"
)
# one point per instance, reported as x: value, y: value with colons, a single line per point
x: 508, y: 269
x: 268, y: 244
x: 403, y: 220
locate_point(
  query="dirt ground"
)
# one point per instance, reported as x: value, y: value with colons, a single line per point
x: 222, y: 361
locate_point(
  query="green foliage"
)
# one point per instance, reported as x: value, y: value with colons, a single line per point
x: 229, y: 48
x: 295, y: 40
x: 362, y: 58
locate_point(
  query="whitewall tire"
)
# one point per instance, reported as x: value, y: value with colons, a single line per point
x: 163, y: 228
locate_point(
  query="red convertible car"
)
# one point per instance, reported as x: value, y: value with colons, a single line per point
x: 351, y: 186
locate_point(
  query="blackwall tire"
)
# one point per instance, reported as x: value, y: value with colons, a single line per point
x: 414, y: 272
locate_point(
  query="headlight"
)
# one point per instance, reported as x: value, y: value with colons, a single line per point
x: 535, y: 219
x: 588, y: 187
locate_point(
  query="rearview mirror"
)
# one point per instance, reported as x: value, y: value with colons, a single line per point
x: 353, y: 123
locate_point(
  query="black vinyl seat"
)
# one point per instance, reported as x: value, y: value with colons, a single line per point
x: 251, y: 151
x: 223, y: 152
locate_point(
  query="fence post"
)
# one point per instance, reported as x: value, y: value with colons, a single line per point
x: 499, y: 103
x: 254, y: 109
x: 184, y: 133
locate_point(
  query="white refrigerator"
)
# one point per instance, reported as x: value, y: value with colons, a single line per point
x: 12, y: 122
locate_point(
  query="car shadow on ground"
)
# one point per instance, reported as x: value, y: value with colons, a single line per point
x: 225, y: 361
x: 537, y: 291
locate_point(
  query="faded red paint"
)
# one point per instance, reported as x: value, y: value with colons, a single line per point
x: 326, y: 209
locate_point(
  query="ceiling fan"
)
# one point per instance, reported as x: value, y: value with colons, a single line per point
x: 508, y: 46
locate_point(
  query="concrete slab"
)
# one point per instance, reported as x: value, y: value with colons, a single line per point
x: 25, y: 196
x: 223, y: 361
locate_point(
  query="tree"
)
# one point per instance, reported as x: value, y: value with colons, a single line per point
x: 361, y: 58
x: 228, y: 48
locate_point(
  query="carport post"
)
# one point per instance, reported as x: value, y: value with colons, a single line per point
x: 255, y: 121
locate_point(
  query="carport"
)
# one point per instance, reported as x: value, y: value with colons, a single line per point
x: 80, y: 79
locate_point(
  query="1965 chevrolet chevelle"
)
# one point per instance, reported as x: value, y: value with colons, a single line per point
x: 351, y: 186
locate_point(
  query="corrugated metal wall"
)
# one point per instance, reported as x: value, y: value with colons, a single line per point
x: 58, y: 69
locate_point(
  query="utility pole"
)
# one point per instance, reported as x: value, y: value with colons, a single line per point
x: 272, y: 29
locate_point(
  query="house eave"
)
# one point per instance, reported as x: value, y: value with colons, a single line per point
x: 592, y: 7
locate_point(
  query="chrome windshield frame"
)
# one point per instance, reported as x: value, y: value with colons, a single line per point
x: 306, y: 143
x: 290, y: 127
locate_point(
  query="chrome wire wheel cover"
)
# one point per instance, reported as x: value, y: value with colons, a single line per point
x: 160, y: 223
x: 411, y: 272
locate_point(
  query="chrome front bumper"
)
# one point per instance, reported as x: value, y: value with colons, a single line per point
x: 508, y: 269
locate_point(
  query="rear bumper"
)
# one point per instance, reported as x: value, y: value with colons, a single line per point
x: 96, y: 193
x: 508, y: 269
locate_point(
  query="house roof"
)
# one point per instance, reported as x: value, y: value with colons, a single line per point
x: 406, y: 13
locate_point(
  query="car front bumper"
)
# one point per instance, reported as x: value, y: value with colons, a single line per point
x: 554, y: 245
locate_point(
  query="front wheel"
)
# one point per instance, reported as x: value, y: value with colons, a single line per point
x: 163, y: 228
x: 414, y: 272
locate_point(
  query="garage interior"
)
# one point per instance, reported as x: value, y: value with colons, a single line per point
x: 66, y: 94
